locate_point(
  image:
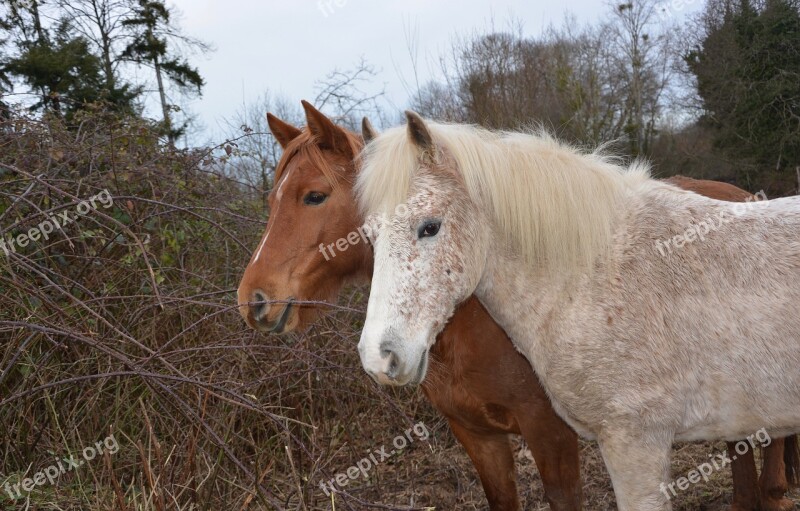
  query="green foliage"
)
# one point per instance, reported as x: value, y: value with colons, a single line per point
x: 70, y: 55
x: 58, y: 64
x: 748, y: 76
x: 182, y: 74
x: 148, y: 18
x: 62, y: 68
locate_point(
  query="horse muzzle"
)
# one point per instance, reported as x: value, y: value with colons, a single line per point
x: 267, y: 316
x: 392, y: 365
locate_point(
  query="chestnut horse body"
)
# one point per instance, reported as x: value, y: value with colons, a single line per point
x: 486, y: 390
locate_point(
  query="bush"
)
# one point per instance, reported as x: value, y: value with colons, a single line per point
x: 123, y: 323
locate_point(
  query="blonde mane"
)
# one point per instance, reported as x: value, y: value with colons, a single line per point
x: 554, y: 204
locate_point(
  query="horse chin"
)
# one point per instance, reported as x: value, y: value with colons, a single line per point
x: 303, y: 316
x: 417, y: 376
x: 413, y: 379
x: 422, y: 371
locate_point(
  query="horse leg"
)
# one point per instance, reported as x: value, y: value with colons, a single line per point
x: 791, y: 458
x: 773, y: 481
x: 745, y: 480
x: 558, y: 459
x: 493, y: 459
x: 639, y: 465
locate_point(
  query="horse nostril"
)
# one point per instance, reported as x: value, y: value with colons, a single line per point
x: 259, y: 309
x: 391, y: 372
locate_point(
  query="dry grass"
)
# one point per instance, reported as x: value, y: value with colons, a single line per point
x: 125, y: 324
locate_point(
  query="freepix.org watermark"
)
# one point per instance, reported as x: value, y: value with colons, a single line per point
x: 364, y: 465
x: 52, y: 473
x: 718, y: 462
x: 698, y: 231
x: 52, y: 222
x: 360, y: 235
x: 328, y: 7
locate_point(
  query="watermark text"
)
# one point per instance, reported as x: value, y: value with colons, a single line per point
x: 378, y: 456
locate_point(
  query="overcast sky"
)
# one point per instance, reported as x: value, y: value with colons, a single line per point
x: 285, y: 45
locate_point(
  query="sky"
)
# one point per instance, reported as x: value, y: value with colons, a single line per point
x: 284, y: 46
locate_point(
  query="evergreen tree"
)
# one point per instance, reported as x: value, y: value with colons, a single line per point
x: 100, y: 22
x: 61, y: 68
x: 56, y: 63
x: 748, y: 77
x: 5, y: 80
x: 150, y: 45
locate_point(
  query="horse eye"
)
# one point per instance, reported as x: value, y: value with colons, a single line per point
x: 428, y: 229
x: 314, y: 198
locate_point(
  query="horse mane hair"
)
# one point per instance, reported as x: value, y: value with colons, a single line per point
x: 307, y: 144
x: 554, y: 203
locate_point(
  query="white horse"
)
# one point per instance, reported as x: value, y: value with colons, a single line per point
x: 637, y: 345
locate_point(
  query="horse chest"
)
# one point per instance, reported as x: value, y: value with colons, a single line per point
x: 473, y: 401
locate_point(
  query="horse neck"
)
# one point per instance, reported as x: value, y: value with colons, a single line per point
x: 535, y: 304
x: 524, y: 300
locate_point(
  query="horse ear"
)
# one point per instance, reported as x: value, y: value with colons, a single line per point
x: 368, y: 133
x: 418, y: 131
x: 282, y: 131
x: 329, y: 135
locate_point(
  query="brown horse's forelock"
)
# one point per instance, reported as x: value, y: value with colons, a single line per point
x: 307, y: 145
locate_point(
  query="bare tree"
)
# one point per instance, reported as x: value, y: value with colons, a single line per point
x: 256, y: 152
x: 591, y: 84
x: 643, y: 50
x: 436, y: 100
x: 156, y: 41
x: 100, y: 21
x: 584, y: 83
x: 565, y: 80
x: 344, y: 95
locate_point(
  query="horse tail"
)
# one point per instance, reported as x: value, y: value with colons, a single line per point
x: 791, y: 458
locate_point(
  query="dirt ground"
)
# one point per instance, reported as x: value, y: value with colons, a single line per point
x: 439, y: 475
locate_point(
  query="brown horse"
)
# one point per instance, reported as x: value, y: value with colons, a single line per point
x: 312, y: 247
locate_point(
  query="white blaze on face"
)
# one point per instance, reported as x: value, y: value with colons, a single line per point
x: 380, y: 341
x: 398, y: 330
x: 273, y: 215
x: 420, y: 276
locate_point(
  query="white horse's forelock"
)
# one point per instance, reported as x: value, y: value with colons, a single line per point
x: 554, y: 203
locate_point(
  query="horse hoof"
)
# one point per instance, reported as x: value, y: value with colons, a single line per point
x: 782, y: 504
